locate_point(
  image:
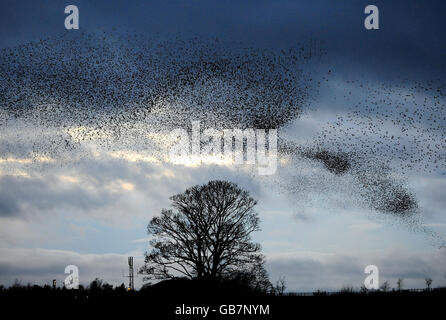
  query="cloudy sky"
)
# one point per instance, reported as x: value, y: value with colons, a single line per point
x: 89, y: 205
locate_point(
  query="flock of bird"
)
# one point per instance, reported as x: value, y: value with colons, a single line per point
x: 114, y: 89
x: 402, y: 128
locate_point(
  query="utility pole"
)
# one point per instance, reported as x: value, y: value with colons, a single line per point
x: 131, y: 282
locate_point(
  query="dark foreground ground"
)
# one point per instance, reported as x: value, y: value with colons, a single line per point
x: 186, y: 301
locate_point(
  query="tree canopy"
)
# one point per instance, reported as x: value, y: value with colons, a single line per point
x: 206, y: 235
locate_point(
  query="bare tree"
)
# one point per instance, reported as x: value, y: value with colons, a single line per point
x: 399, y: 284
x: 428, y: 282
x: 363, y: 289
x: 385, y: 286
x: 280, y: 286
x: 206, y: 235
x: 347, y: 289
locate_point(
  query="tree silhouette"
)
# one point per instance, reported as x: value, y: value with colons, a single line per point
x: 207, y: 235
x: 428, y: 283
x: 98, y: 285
x: 280, y: 286
x: 385, y: 286
x: 399, y: 284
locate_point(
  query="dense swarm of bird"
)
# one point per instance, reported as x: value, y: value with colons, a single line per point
x: 115, y: 90
x: 402, y: 128
x: 405, y: 126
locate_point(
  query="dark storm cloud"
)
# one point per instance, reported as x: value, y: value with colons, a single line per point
x: 410, y: 41
x: 116, y: 85
x: 110, y: 82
